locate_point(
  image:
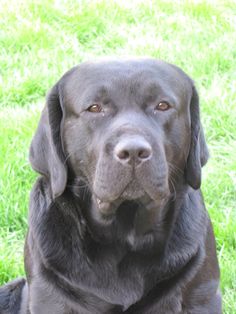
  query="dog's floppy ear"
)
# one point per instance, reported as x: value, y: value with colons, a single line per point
x: 198, y: 153
x: 46, y: 152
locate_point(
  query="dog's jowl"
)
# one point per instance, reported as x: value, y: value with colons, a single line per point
x: 117, y: 222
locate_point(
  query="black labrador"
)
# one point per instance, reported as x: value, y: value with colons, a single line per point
x: 117, y: 222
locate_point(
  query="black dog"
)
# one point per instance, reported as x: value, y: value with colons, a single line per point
x: 117, y: 222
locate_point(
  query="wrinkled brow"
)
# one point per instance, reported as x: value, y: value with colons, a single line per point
x: 154, y: 92
x: 95, y: 94
x: 98, y: 93
x: 149, y: 92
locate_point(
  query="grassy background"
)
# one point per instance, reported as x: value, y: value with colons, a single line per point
x: 40, y: 40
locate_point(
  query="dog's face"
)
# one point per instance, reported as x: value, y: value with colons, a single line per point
x: 129, y: 129
x: 124, y: 128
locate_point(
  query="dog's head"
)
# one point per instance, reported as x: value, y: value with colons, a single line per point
x: 129, y: 129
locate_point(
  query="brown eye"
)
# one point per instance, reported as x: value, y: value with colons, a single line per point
x: 162, y: 106
x: 95, y: 108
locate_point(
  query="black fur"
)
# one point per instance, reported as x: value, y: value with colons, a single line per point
x: 117, y: 222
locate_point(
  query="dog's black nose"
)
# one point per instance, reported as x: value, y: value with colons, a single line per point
x: 133, y: 149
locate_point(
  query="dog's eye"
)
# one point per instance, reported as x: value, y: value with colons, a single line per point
x: 162, y: 106
x: 95, y: 108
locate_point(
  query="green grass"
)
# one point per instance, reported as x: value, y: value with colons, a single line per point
x: 40, y: 40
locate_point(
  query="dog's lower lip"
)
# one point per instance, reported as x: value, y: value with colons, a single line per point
x: 103, y: 206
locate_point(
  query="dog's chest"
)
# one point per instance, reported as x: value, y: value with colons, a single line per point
x: 116, y: 280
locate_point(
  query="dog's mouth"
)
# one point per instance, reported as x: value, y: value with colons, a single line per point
x: 108, y: 210
x: 133, y: 192
x: 134, y: 195
x: 106, y: 205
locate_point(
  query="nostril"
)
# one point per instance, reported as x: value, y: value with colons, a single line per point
x: 144, y: 153
x: 132, y: 149
x: 123, y: 154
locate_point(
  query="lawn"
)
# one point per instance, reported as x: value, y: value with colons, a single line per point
x: 40, y: 40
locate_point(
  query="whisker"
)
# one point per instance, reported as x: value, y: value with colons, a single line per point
x: 175, y: 168
x: 68, y: 156
x: 173, y: 187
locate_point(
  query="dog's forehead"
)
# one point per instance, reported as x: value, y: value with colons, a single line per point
x: 143, y: 75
